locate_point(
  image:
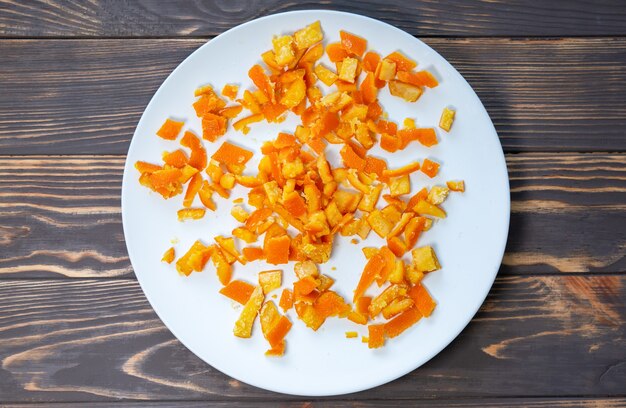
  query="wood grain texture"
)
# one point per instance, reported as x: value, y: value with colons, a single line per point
x: 534, y: 336
x: 60, y: 216
x: 111, y: 18
x: 541, y: 402
x: 86, y: 96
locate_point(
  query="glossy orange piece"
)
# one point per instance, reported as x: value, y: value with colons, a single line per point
x: 238, y: 290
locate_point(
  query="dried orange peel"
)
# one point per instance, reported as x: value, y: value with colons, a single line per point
x: 299, y: 204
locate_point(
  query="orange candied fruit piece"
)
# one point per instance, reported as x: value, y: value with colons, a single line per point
x: 237, y: 290
x: 402, y: 62
x: 456, y: 185
x: 252, y: 253
x: 170, y: 129
x: 262, y: 81
x: 336, y: 52
x: 430, y: 168
x: 372, y: 269
x: 286, y: 300
x: 198, y: 157
x: 426, y: 136
x: 278, y: 332
x: 229, y: 153
x: 362, y: 304
x: 351, y: 159
x: 177, y: 158
x: 375, y: 165
x: 169, y: 256
x: 231, y: 112
x: 277, y: 250
x: 195, y: 183
x: 420, y: 78
x: 305, y: 285
x: 191, y: 214
x: 400, y: 323
x: 354, y: 44
x: 376, y: 336
x: 423, y: 301
x: 230, y: 91
x: 402, y: 171
x: 295, y: 204
x: 145, y: 167
x: 370, y: 61
x: 213, y: 126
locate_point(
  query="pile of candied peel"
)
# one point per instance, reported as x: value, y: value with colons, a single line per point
x: 297, y: 202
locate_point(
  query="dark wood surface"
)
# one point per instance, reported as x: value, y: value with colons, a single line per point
x: 338, y: 403
x: 75, y: 328
x: 181, y: 18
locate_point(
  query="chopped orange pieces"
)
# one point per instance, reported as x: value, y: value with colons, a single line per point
x: 299, y: 202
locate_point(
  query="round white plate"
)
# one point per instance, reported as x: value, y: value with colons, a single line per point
x: 469, y: 242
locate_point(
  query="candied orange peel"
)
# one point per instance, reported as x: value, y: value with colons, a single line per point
x: 298, y: 203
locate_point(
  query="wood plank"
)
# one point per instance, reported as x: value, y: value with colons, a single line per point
x: 86, y: 96
x: 541, y: 402
x: 181, y: 18
x: 534, y: 336
x: 61, y: 216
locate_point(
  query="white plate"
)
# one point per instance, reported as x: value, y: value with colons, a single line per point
x: 470, y: 242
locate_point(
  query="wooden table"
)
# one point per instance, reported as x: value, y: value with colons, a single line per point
x: 75, y: 327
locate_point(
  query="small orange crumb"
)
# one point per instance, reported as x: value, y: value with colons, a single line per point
x: 191, y: 214
x: 351, y: 334
x: 169, y: 256
x: 230, y: 91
